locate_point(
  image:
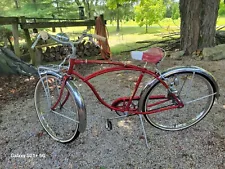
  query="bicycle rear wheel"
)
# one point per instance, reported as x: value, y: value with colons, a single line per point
x: 62, y: 123
x: 193, y: 89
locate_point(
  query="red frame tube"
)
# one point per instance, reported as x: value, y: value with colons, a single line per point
x: 118, y: 66
x: 61, y: 93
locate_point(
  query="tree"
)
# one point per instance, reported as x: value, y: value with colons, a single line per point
x: 222, y: 8
x: 175, y: 10
x: 149, y: 12
x: 64, y: 9
x: 4, y: 5
x: 16, y: 4
x: 118, y: 5
x: 198, y: 24
x: 35, y: 4
x: 89, y: 6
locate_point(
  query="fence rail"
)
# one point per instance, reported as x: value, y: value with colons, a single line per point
x: 27, y: 23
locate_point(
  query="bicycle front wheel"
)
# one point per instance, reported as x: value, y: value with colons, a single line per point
x: 62, y: 123
x: 193, y: 89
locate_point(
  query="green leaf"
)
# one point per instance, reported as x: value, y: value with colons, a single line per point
x: 149, y: 12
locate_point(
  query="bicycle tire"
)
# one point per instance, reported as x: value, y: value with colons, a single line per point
x: 62, y: 123
x: 196, y: 105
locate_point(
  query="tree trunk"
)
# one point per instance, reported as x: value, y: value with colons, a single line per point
x: 117, y: 24
x: 78, y: 2
x: 16, y: 4
x: 88, y: 5
x: 35, y: 4
x: 208, y: 23
x: 198, y: 23
x: 87, y: 8
x: 117, y: 19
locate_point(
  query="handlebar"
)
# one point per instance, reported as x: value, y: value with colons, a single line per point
x: 44, y: 35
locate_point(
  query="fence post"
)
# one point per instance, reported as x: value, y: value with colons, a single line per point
x: 29, y: 42
x: 15, y: 32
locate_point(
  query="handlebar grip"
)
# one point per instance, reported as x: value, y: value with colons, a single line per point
x: 99, y: 37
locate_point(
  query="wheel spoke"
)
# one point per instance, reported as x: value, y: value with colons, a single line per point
x: 182, y: 85
x: 199, y: 99
x: 62, y: 115
x: 68, y: 110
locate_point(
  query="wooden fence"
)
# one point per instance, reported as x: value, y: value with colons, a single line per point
x: 27, y: 23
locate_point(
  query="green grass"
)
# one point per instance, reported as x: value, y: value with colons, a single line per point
x: 130, y: 33
x: 124, y: 40
x: 220, y: 21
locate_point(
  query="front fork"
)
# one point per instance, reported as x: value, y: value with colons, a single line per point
x: 64, y: 79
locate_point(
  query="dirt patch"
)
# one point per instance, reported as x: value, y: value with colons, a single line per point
x: 24, y: 143
x: 15, y: 87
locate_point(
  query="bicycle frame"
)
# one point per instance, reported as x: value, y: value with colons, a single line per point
x: 118, y: 66
x: 62, y: 77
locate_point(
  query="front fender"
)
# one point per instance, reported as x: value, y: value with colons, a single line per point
x: 179, y: 69
x: 80, y: 105
x: 77, y: 98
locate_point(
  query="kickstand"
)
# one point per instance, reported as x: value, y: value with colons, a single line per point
x: 143, y: 128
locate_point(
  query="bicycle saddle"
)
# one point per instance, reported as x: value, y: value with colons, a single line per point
x: 152, y: 55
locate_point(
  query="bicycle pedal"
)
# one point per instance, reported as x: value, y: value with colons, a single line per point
x: 108, y: 125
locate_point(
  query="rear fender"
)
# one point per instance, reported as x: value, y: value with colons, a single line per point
x: 179, y: 69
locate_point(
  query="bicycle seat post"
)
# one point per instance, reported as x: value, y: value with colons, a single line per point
x: 145, y: 65
x: 157, y: 69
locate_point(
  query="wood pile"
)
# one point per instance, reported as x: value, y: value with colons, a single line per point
x: 87, y: 49
x: 55, y: 53
x: 59, y: 52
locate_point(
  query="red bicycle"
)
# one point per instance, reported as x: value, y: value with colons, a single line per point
x: 174, y: 100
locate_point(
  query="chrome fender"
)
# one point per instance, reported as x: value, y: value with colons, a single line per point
x: 50, y: 73
x: 77, y: 98
x: 179, y: 69
x: 80, y: 105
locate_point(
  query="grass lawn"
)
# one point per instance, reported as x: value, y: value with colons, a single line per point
x: 130, y: 33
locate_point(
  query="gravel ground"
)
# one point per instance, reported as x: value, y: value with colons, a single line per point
x: 24, y: 143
